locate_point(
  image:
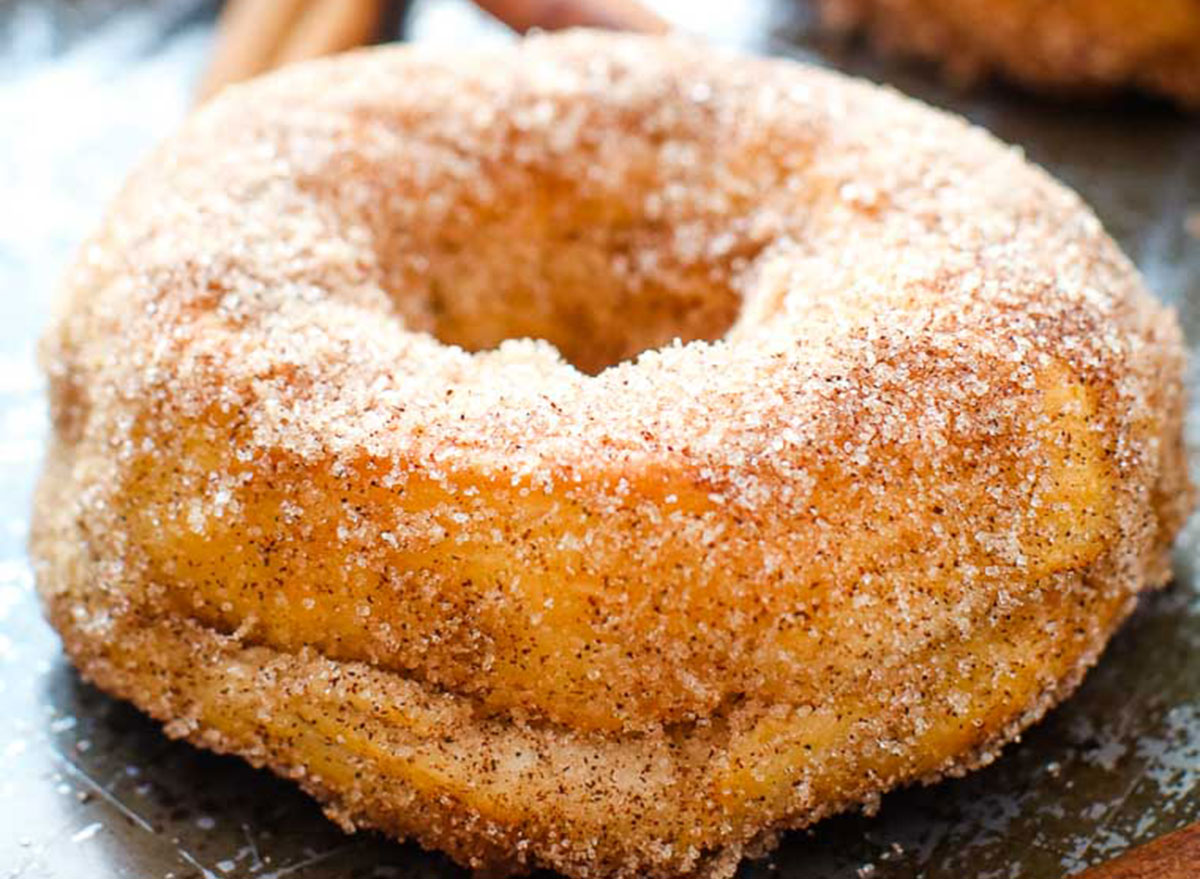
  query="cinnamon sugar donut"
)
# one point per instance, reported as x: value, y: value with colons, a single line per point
x: 601, y: 453
x: 1065, y: 46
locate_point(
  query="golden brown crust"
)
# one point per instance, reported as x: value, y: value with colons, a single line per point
x: 624, y: 620
x: 1062, y: 47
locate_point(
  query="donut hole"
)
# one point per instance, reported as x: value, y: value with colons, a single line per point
x: 582, y: 299
x: 600, y: 286
x: 588, y: 269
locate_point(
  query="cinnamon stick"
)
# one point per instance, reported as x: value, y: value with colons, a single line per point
x: 249, y: 33
x: 626, y: 15
x: 329, y: 26
x: 1174, y: 856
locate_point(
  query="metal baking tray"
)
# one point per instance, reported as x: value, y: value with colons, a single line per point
x: 91, y: 788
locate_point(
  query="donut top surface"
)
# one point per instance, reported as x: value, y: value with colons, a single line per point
x: 609, y: 196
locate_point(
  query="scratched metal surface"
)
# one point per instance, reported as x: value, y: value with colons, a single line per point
x: 88, y: 787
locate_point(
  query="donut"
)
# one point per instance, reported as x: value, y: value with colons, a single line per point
x: 1076, y: 46
x: 600, y: 453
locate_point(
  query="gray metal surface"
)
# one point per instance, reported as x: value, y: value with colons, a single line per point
x: 90, y: 788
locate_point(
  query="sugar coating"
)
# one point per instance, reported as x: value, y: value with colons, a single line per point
x: 601, y: 453
x: 1082, y: 46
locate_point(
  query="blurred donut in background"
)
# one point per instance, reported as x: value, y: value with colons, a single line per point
x: 1066, y: 47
